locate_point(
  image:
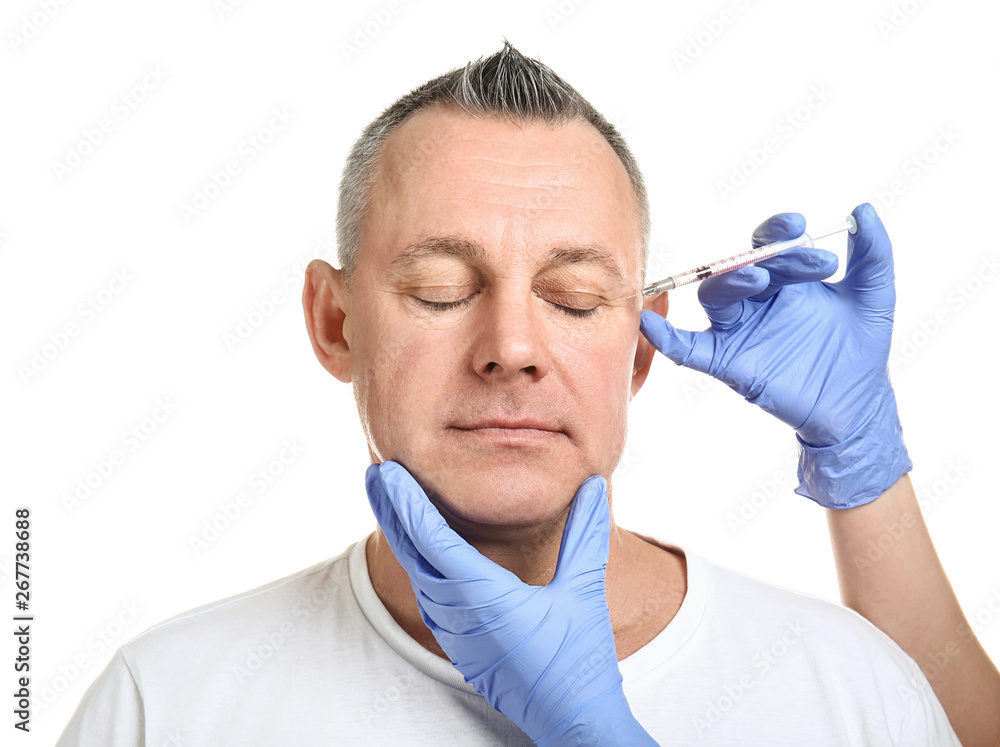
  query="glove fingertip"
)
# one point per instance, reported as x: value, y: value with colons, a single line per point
x: 869, y: 251
x: 590, y: 501
x: 595, y: 488
x: 396, y: 475
x: 779, y: 227
x: 373, y: 487
x: 728, y: 288
x: 664, y: 337
x: 586, y: 536
x: 826, y: 257
x: 649, y: 320
x: 390, y: 469
x: 863, y: 215
x: 869, y: 224
x: 825, y: 263
x: 387, y: 481
x: 381, y: 501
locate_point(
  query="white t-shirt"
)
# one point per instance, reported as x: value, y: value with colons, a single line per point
x: 316, y: 659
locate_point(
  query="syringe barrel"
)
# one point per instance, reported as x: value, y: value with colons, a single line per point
x: 752, y: 256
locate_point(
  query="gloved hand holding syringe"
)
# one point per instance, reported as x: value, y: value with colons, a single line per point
x: 744, y: 259
x: 810, y: 352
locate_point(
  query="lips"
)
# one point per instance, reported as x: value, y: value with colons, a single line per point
x: 511, y: 424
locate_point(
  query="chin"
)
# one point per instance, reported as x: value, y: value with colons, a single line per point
x: 509, y: 496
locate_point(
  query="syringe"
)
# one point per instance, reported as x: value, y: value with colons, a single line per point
x: 743, y: 259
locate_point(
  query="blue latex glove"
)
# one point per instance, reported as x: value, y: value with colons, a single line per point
x: 813, y: 354
x: 544, y: 656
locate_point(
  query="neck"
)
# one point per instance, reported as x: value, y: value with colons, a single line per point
x: 645, y: 583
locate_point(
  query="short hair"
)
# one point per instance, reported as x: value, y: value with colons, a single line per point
x: 508, y: 86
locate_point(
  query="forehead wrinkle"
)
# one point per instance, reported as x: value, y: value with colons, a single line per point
x: 516, y: 205
x: 522, y: 165
x: 511, y: 185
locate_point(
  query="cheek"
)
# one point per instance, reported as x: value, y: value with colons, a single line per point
x: 605, y: 353
x: 395, y: 379
x: 601, y: 376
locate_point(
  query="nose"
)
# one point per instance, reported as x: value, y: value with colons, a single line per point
x: 511, y: 340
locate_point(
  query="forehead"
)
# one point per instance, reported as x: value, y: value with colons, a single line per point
x: 521, y: 191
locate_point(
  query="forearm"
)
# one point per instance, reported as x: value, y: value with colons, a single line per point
x: 890, y: 573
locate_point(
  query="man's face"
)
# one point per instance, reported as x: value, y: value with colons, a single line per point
x: 490, y: 352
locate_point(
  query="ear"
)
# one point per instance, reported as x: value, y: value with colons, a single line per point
x: 644, y: 351
x: 326, y: 304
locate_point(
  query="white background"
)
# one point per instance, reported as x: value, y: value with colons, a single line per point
x: 893, y: 75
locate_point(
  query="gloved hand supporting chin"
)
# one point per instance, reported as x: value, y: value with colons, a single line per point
x: 544, y: 656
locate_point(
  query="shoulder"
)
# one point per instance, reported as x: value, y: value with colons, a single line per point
x: 195, y: 663
x: 741, y: 650
x: 832, y: 635
x: 716, y: 596
x: 760, y: 597
x: 273, y: 610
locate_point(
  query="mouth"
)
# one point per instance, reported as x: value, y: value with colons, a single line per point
x: 520, y: 424
x: 517, y: 433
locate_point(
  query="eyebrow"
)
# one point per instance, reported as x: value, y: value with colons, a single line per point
x: 593, y: 254
x: 465, y: 249
x: 431, y: 246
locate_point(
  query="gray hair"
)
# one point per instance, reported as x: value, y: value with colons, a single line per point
x: 507, y: 85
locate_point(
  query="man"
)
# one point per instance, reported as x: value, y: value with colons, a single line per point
x: 492, y: 231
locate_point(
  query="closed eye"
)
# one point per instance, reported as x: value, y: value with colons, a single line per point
x: 574, y: 311
x: 442, y: 305
x: 445, y: 291
x: 575, y: 303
